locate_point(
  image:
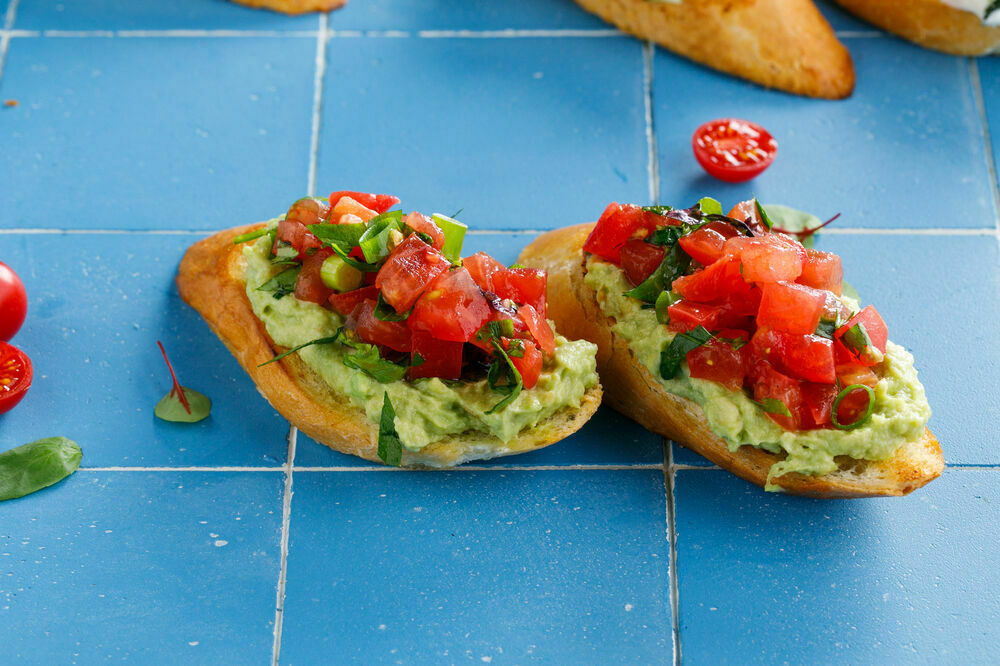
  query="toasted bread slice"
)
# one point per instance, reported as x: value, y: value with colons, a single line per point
x: 785, y: 44
x: 210, y: 279
x: 930, y: 23
x: 632, y: 390
x: 294, y: 6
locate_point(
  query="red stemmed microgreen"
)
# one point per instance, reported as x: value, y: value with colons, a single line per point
x: 181, y: 404
x: 805, y: 233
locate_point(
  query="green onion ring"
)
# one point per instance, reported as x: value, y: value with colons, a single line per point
x: 844, y: 393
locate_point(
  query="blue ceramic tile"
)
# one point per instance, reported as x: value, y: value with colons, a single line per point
x: 771, y: 579
x: 843, y: 22
x: 144, y: 567
x: 151, y: 15
x: 147, y: 133
x: 556, y: 567
x: 97, y: 304
x: 893, y: 155
x: 414, y: 15
x: 520, y: 133
x: 685, y: 456
x: 989, y: 76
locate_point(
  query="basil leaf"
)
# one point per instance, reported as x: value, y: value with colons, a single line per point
x: 663, y: 302
x: 283, y: 283
x: 710, y: 206
x: 343, y: 235
x: 503, y: 369
x: 495, y: 329
x: 318, y: 341
x: 170, y: 408
x: 516, y: 348
x: 390, y: 447
x: 285, y: 254
x: 826, y: 327
x: 36, y: 465
x: 374, y: 242
x: 249, y: 236
x: 351, y: 261
x: 763, y: 214
x: 992, y: 7
x: 675, y: 352
x: 856, y: 339
x: 385, y: 312
x: 675, y: 264
x: 658, y: 210
x: 368, y: 360
x: 417, y: 360
x: 773, y: 406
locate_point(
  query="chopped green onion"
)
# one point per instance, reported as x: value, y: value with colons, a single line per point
x: 249, y: 236
x: 285, y: 254
x: 664, y: 301
x: 317, y: 341
x: 454, y: 236
x: 864, y: 417
x: 856, y: 339
x: 375, y: 242
x: 338, y: 275
x: 763, y: 214
x: 390, y: 447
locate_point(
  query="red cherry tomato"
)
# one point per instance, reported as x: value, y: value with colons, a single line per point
x: 733, y: 150
x: 13, y: 302
x: 15, y: 376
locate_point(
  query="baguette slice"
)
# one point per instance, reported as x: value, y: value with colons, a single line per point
x: 632, y: 390
x: 210, y: 280
x: 294, y: 6
x: 930, y: 23
x: 785, y: 44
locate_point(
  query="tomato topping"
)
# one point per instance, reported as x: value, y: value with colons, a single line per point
x: 733, y: 150
x: 346, y: 302
x: 770, y: 258
x: 425, y: 225
x: 769, y: 384
x: 685, y: 315
x: 13, y: 302
x: 719, y: 362
x: 704, y: 245
x: 790, y: 307
x: 529, y: 364
x: 639, y: 259
x: 392, y: 334
x: 452, y: 308
x: 539, y: 328
x: 347, y: 210
x: 854, y: 373
x: 618, y: 223
x: 852, y: 406
x: 808, y: 357
x: 822, y: 270
x: 431, y: 357
x: 818, y: 400
x: 377, y: 202
x: 481, y: 267
x: 15, y: 376
x: 309, y: 285
x: 407, y: 272
x: 522, y: 285
x: 878, y: 335
x: 718, y: 282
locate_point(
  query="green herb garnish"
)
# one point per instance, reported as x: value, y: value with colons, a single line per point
x: 344, y: 235
x: 856, y: 339
x: 285, y: 254
x: 36, y: 465
x: 657, y: 210
x: 366, y: 357
x: 283, y: 283
x: 375, y: 241
x: 709, y: 206
x: 674, y: 265
x: 863, y: 418
x: 249, y: 236
x: 390, y: 447
x: 385, y: 312
x: 503, y: 370
x: 181, y: 405
x: 675, y: 352
x: 454, y: 236
x: 663, y: 302
x: 763, y: 214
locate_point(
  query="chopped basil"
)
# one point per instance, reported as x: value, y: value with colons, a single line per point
x: 385, y: 312
x: 367, y: 359
x: 344, y: 235
x: 675, y: 352
x: 710, y: 206
x: 674, y: 265
x: 317, y: 341
x: 390, y: 447
x: 514, y: 267
x: 826, y: 327
x: 856, y: 339
x: 285, y: 254
x: 495, y: 329
x: 249, y: 236
x: 773, y: 406
x: 283, y: 283
x: 417, y: 360
x: 454, y: 236
x: 658, y: 210
x: 503, y: 370
x: 763, y: 214
x: 516, y: 348
x: 36, y: 465
x: 664, y: 301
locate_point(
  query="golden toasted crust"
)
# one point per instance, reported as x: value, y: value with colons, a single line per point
x: 210, y: 280
x: 632, y: 390
x: 295, y: 6
x: 930, y: 23
x: 785, y: 44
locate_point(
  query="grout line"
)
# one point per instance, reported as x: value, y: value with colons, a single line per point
x: 320, y: 73
x: 862, y: 231
x: 97, y: 232
x: 11, y: 15
x: 858, y: 34
x: 484, y: 468
x: 653, y: 165
x: 181, y: 469
x: 668, y: 481
x: 286, y: 520
x: 977, y: 91
x: 8, y: 23
x: 511, y: 33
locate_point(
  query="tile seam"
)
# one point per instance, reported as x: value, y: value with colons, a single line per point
x: 11, y: 15
x: 669, y: 470
x: 653, y: 163
x: 980, y: 99
x: 286, y: 520
x: 319, y: 74
x: 8, y: 23
x: 677, y: 467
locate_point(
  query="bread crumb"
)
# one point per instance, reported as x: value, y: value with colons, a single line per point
x: 10, y: 103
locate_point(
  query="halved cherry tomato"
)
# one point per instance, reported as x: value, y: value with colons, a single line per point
x: 407, y: 272
x: 309, y: 285
x: 733, y: 150
x: 790, y: 307
x: 431, y: 357
x: 452, y: 308
x: 346, y: 302
x: 639, y: 259
x: 539, y: 328
x: 15, y: 376
x: 392, y: 334
x: 377, y: 202
x: 482, y: 267
x: 529, y: 363
x: 13, y: 302
x: 522, y: 285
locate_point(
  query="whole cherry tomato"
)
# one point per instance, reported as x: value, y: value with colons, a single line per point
x: 13, y: 302
x: 733, y: 150
x: 15, y: 376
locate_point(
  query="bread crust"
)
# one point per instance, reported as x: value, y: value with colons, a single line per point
x: 930, y: 23
x: 294, y: 6
x: 632, y: 390
x: 211, y: 280
x: 785, y: 44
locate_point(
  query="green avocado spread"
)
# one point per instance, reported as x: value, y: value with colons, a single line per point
x: 899, y: 414
x: 430, y: 409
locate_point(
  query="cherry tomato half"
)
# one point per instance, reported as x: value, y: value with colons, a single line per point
x: 13, y: 302
x: 733, y: 150
x: 15, y: 376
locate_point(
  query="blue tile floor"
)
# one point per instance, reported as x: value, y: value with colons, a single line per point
x: 141, y: 127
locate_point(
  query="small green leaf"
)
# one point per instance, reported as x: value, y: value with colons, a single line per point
x: 663, y: 302
x: 285, y: 254
x: 385, y: 312
x: 368, y: 360
x: 374, y: 242
x: 344, y: 235
x: 763, y: 214
x: 657, y: 210
x: 170, y: 407
x: 675, y: 264
x: 417, y: 360
x: 677, y: 350
x: 710, y: 206
x: 317, y: 341
x: 283, y: 283
x: 774, y: 406
x: 390, y: 447
x: 36, y: 465
x: 503, y: 370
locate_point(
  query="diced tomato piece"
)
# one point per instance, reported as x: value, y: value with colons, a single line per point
x: 818, y: 400
x: 790, y: 307
x: 481, y: 267
x: 639, y: 259
x: 435, y: 358
x: 852, y: 406
x: 855, y: 373
x: 685, y: 315
x: 348, y: 210
x: 452, y: 308
x: 770, y: 258
x: 808, y: 357
x: 877, y: 332
x: 524, y: 286
x: 309, y: 285
x: 405, y: 275
x: 346, y: 302
x: 822, y: 270
x: 769, y: 383
x: 529, y: 364
x: 746, y: 211
x: 717, y: 283
x: 704, y: 245
x: 719, y: 362
x: 425, y: 225
x: 392, y: 334
x: 618, y: 224
x: 377, y: 202
x: 298, y: 236
x: 539, y: 328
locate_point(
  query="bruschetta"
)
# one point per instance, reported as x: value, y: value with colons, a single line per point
x: 294, y: 6
x: 733, y: 339
x: 961, y: 27
x: 366, y: 330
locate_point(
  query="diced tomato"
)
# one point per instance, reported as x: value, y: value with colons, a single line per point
x: 298, y: 236
x: 822, y: 270
x: 529, y: 364
x: 523, y: 286
x: 808, y: 357
x: 770, y: 258
x: 768, y: 383
x: 685, y: 315
x: 452, y: 308
x: 717, y: 283
x: 639, y: 259
x: 852, y: 406
x: 818, y: 400
x: 348, y: 210
x: 877, y: 332
x: 539, y: 328
x: 618, y: 223
x: 405, y: 275
x: 481, y: 267
x: 309, y: 285
x: 425, y: 225
x: 346, y: 302
x: 377, y: 202
x: 790, y: 307
x: 855, y: 373
x: 704, y: 245
x: 719, y: 362
x: 435, y: 358
x: 392, y: 334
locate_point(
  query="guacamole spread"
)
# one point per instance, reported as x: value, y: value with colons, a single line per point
x: 427, y: 409
x: 899, y: 413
